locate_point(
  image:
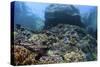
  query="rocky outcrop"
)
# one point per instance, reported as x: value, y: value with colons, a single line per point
x: 67, y: 14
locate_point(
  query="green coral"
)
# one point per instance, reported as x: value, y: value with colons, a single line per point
x: 73, y: 41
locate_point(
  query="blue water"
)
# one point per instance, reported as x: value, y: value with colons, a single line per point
x: 39, y: 8
x: 31, y: 15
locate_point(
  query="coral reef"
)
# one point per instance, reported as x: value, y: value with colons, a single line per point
x: 58, y: 44
x: 50, y: 59
x: 52, y: 33
x: 74, y: 56
x: 20, y: 54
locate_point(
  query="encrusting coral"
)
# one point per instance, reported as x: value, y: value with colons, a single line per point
x: 74, y: 56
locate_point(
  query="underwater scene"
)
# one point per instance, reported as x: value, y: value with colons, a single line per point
x: 49, y: 33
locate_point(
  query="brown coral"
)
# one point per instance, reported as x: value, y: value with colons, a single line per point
x: 23, y: 56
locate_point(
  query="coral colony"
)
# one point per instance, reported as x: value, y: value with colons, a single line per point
x: 46, y: 33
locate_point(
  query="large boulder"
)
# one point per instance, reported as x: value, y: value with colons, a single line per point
x: 58, y: 13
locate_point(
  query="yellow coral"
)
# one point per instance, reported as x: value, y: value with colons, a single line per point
x: 39, y: 37
x: 74, y: 56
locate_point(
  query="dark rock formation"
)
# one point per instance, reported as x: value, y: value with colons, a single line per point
x: 66, y: 14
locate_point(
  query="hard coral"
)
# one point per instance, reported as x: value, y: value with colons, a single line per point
x: 74, y: 56
x: 23, y: 56
x: 50, y: 59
